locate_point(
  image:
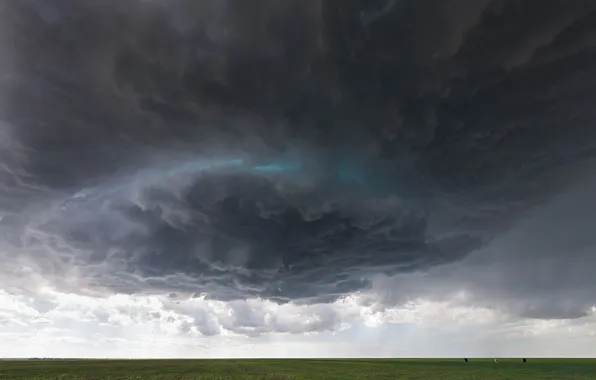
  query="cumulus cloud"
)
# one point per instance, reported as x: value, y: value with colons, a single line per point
x: 200, y: 317
x: 72, y: 325
x: 297, y: 154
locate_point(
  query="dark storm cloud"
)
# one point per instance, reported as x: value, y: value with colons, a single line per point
x: 231, y: 234
x: 283, y: 149
x: 542, y: 268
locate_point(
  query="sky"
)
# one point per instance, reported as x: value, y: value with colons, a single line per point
x: 277, y: 178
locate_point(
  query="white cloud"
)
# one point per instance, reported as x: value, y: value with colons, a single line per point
x: 51, y: 323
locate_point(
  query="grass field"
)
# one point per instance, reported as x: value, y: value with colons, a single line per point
x: 406, y: 369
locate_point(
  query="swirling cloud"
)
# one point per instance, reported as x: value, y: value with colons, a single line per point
x: 290, y: 152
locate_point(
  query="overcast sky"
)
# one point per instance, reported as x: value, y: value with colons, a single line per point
x: 277, y: 178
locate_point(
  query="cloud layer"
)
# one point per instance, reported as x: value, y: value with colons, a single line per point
x: 300, y: 153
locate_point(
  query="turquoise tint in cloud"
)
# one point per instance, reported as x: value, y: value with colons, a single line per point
x: 350, y: 172
x: 372, y: 178
x: 277, y: 168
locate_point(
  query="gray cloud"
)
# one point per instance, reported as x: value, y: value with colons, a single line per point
x: 293, y: 151
x: 542, y: 268
x: 235, y: 234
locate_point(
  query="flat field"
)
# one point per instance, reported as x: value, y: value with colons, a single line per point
x: 323, y: 369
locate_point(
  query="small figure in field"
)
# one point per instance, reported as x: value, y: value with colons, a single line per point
x: 466, y: 359
x: 495, y: 360
x: 524, y: 360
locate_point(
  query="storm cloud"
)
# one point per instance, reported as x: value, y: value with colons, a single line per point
x: 297, y: 151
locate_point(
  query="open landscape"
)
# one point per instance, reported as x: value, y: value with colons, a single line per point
x: 279, y: 369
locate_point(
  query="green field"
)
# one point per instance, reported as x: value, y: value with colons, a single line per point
x: 405, y: 369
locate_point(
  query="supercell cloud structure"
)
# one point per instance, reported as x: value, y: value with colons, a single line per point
x: 301, y: 152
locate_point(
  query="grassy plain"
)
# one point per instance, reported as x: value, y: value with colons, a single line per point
x: 298, y: 369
